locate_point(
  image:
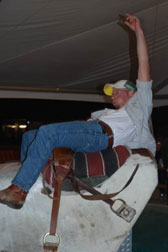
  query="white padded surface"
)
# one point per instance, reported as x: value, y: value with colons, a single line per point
x: 84, y: 226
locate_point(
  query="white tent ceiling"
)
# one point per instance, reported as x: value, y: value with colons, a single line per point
x: 68, y: 49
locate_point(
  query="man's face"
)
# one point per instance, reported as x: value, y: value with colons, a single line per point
x: 120, y: 97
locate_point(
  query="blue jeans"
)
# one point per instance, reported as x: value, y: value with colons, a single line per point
x: 37, y: 146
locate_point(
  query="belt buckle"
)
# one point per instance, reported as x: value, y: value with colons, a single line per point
x: 124, y: 211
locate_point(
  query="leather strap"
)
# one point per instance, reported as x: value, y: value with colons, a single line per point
x: 61, y: 173
x: 143, y: 152
x: 96, y: 194
x: 106, y: 129
x: 62, y: 161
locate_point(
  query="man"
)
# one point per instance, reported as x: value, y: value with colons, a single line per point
x: 128, y: 125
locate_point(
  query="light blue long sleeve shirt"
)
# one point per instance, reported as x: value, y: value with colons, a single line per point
x: 139, y: 109
x: 130, y: 124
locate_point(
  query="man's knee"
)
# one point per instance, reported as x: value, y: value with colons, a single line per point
x: 29, y: 135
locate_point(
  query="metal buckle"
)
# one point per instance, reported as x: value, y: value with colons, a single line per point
x: 124, y: 211
x: 52, y: 242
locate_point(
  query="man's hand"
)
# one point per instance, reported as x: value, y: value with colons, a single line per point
x: 132, y: 22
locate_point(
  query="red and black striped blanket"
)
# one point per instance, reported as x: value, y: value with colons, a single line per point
x: 93, y: 165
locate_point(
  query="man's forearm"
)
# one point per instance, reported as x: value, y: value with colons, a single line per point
x: 143, y: 58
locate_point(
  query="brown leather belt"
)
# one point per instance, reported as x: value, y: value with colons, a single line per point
x: 108, y: 130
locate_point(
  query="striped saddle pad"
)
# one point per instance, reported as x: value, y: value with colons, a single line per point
x: 92, y: 168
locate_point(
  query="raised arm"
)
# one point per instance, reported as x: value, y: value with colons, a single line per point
x: 143, y: 60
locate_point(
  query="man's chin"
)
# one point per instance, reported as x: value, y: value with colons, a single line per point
x: 116, y: 106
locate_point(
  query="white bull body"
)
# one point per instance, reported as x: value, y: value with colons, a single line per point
x: 85, y: 226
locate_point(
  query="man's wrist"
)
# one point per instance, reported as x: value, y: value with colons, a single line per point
x: 139, y: 31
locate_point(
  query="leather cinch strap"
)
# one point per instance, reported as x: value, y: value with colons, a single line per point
x: 96, y: 194
x: 60, y: 174
x: 124, y: 211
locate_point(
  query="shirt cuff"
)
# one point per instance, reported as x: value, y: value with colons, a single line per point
x: 144, y: 84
